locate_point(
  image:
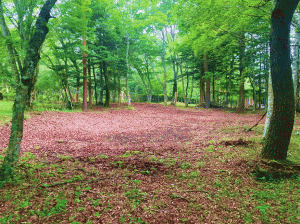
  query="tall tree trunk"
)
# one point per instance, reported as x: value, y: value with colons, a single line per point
x: 182, y: 81
x: 148, y: 92
x: 107, y: 95
x: 202, y: 88
x: 163, y: 55
x: 213, y: 89
x: 175, y: 76
x: 71, y: 96
x: 228, y: 98
x: 282, y: 120
x: 119, y: 91
x: 149, y: 81
x: 90, y: 84
x: 192, y: 88
x: 296, y: 68
x: 95, y: 83
x: 127, y: 75
x: 84, y: 60
x: 207, y: 98
x: 270, y: 107
x: 172, y: 33
x: 31, y: 60
x: 77, y: 89
x: 101, y: 84
x: 241, y: 103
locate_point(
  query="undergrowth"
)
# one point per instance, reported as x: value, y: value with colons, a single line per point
x: 223, y: 182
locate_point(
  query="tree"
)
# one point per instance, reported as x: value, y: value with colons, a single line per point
x: 282, y: 120
x: 25, y: 78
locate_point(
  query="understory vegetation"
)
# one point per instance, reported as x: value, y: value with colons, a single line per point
x: 222, y: 182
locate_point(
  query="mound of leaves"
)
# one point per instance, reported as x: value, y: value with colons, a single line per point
x: 235, y: 142
x: 142, y: 165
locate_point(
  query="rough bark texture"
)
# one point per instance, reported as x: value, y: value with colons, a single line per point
x: 282, y: 120
x: 27, y: 74
x: 270, y: 107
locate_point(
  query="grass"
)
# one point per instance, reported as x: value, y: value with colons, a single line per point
x: 5, y: 112
x: 122, y: 189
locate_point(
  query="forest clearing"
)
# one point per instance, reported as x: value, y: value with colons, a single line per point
x: 138, y: 111
x: 146, y: 164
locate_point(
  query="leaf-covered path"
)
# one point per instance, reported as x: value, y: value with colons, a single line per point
x: 151, y: 127
x: 154, y: 164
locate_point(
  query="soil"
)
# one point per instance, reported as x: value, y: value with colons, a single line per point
x: 148, y: 128
x: 202, y: 150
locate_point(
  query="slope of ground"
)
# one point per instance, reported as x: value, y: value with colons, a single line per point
x: 151, y: 164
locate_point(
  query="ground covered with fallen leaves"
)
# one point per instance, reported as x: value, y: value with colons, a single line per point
x: 142, y: 164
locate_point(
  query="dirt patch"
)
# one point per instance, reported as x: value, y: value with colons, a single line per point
x: 235, y: 143
x: 151, y: 127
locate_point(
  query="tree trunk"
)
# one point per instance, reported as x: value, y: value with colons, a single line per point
x: 31, y: 60
x: 192, y: 88
x: 207, y: 99
x: 90, y: 84
x: 202, y: 92
x: 149, y: 81
x: 282, y: 120
x: 296, y: 68
x: 119, y: 91
x: 241, y: 103
x: 107, y: 96
x: 32, y: 87
x: 165, y: 69
x: 95, y: 82
x: 175, y: 76
x: 214, y: 100
x: 182, y: 81
x: 127, y: 74
x: 270, y: 107
x: 84, y: 105
x: 101, y: 84
x: 175, y: 99
x: 228, y: 98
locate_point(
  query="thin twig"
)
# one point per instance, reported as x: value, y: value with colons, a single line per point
x: 257, y: 122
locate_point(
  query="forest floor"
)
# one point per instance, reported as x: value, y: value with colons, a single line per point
x: 147, y: 164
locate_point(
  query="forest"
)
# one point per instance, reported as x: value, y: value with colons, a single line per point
x: 149, y: 111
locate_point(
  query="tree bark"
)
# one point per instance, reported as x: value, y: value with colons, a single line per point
x: 270, y: 108
x: 31, y: 60
x: 282, y: 120
x: 95, y: 82
x: 119, y: 91
x: 202, y: 88
x: 163, y: 55
x: 90, y: 84
x: 175, y: 76
x: 241, y: 104
x: 84, y: 60
x: 107, y: 95
x: 182, y: 81
x: 207, y: 98
x: 192, y: 88
x: 127, y: 72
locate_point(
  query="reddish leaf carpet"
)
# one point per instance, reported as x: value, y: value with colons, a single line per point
x: 151, y: 127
